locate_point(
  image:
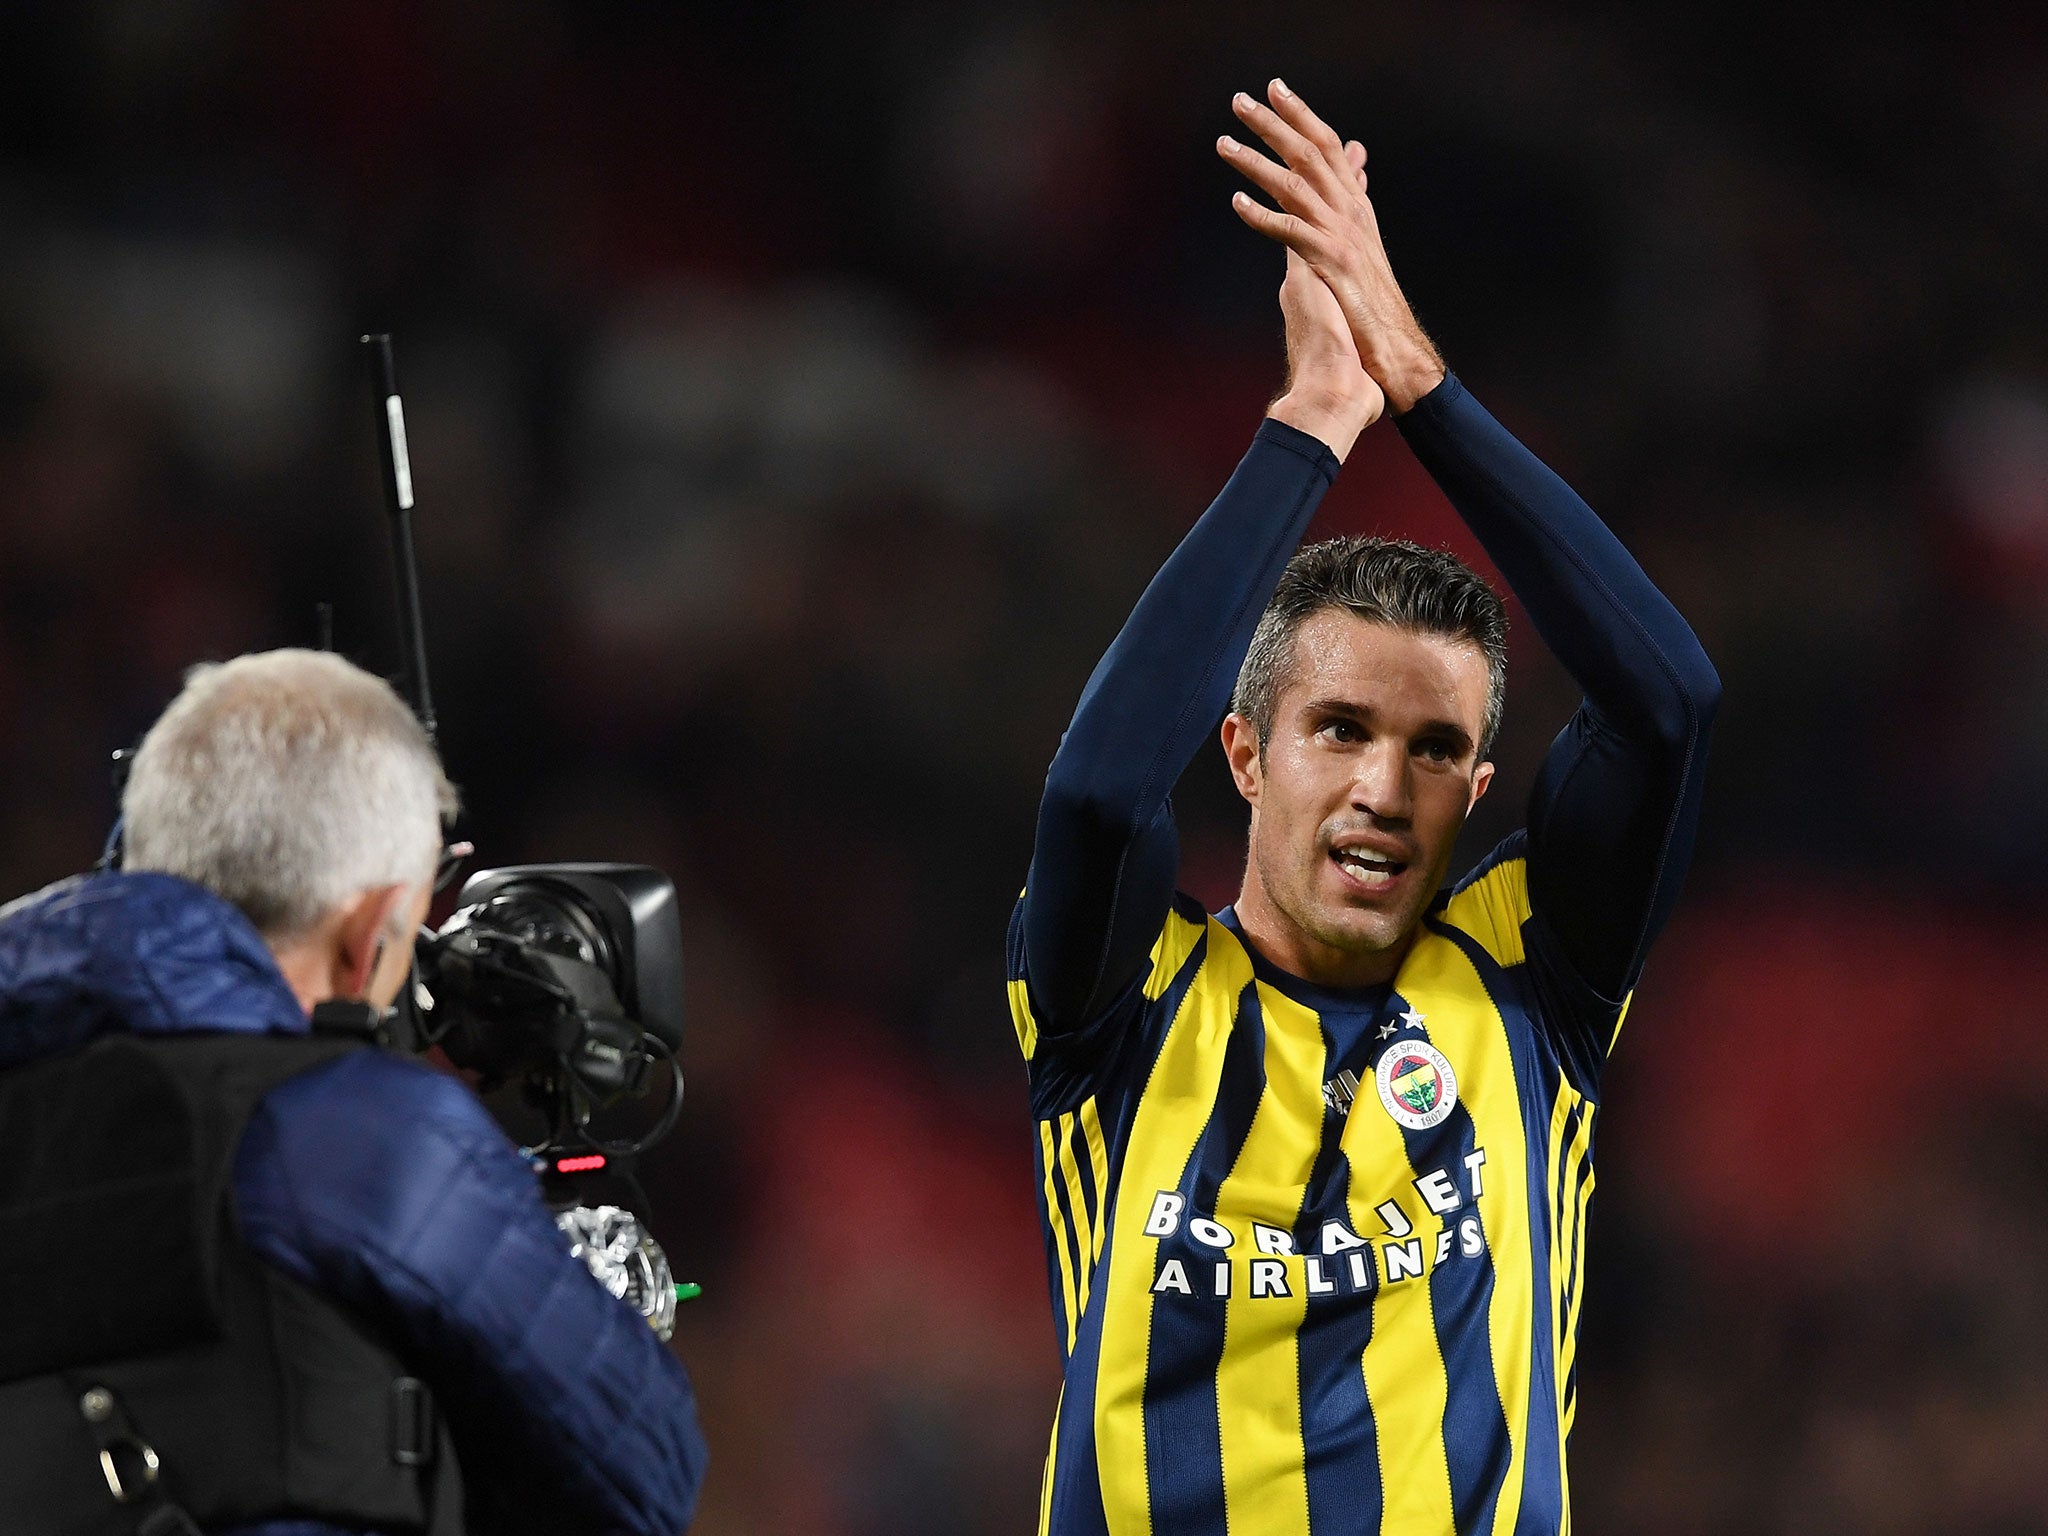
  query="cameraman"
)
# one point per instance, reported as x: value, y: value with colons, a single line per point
x: 282, y: 827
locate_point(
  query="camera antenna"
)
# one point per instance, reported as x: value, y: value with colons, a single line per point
x: 398, y: 503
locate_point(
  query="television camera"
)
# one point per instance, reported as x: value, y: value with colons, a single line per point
x: 565, y: 980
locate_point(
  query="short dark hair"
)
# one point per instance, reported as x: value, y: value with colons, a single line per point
x: 1384, y: 581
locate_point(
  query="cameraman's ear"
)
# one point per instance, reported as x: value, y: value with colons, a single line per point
x: 363, y: 935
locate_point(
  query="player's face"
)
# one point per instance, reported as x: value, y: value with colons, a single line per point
x: 1358, y: 796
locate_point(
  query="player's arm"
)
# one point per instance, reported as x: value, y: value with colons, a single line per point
x: 1103, y: 862
x: 1615, y: 804
x: 1613, y: 813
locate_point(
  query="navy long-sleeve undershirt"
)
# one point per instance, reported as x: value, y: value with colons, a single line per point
x: 1613, y: 810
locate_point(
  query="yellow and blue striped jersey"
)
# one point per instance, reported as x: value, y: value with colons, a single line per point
x: 1315, y: 1256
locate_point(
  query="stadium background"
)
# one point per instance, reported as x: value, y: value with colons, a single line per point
x: 801, y: 393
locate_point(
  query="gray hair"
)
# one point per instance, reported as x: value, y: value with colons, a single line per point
x: 1385, y: 581
x: 287, y: 782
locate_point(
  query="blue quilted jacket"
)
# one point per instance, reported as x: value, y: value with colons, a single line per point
x: 386, y: 1186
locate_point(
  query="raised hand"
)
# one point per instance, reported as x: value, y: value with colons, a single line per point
x: 1329, y: 395
x: 1326, y: 219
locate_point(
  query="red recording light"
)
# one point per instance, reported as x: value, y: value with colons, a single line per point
x: 579, y: 1164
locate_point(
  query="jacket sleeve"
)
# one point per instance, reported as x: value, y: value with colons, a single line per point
x: 1103, y: 863
x: 1614, y: 808
x: 388, y: 1187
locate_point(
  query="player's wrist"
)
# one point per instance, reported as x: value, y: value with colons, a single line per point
x: 1334, y: 417
x: 1407, y: 367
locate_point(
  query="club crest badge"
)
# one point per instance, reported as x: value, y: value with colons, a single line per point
x: 1417, y: 1084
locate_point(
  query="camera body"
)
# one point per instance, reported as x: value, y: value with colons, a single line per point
x: 568, y: 980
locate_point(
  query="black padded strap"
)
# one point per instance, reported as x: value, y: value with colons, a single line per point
x: 129, y: 1463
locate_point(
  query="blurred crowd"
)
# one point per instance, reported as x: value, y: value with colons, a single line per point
x: 799, y: 396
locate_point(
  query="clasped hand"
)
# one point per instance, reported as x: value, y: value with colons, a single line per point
x: 1327, y: 223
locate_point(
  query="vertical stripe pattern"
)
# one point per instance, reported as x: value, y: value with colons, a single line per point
x: 1293, y: 1301
x: 1073, y: 1163
x: 1258, y: 1385
x: 1172, y: 1112
x: 1571, y: 1193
